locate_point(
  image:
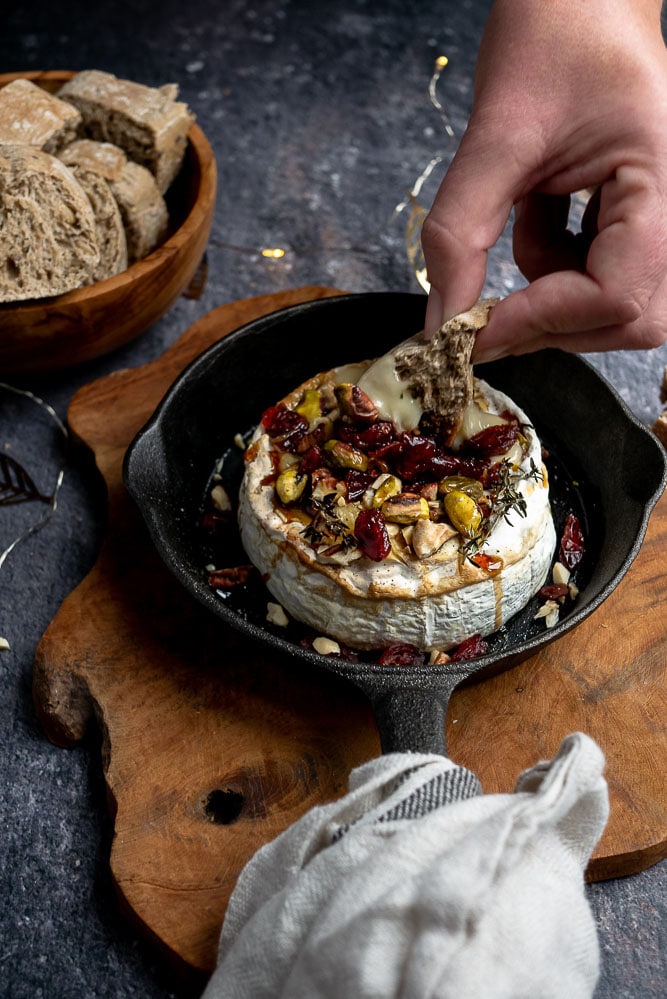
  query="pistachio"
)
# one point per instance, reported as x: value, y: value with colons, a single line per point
x: 343, y: 455
x: 385, y: 485
x: 405, y: 508
x: 290, y: 485
x: 463, y: 484
x: 311, y: 405
x: 463, y: 513
x: 355, y: 404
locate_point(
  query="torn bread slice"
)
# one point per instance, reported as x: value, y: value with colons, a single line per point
x: 147, y: 122
x: 30, y: 115
x: 48, y: 241
x: 142, y: 207
x: 111, y: 239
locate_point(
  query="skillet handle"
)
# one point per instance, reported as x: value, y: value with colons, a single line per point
x: 411, y: 720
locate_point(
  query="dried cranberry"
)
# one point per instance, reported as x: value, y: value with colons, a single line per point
x: 572, y: 545
x: 370, y: 531
x: 356, y: 483
x: 285, y: 425
x: 380, y: 433
x: 312, y: 459
x: 555, y: 591
x: 401, y: 654
x: 471, y: 648
x: 493, y: 440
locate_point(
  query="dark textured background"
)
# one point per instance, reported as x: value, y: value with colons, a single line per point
x: 319, y: 117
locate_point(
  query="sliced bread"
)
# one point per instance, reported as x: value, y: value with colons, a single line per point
x: 147, y: 122
x: 142, y: 207
x: 48, y: 242
x: 32, y: 116
x: 111, y: 238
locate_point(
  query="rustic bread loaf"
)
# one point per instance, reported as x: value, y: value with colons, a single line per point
x: 109, y: 228
x: 147, y: 122
x: 142, y: 207
x: 32, y: 116
x: 48, y: 243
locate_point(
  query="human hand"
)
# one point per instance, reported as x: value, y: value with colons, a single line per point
x: 567, y: 97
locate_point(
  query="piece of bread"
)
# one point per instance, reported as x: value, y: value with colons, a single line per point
x: 147, y: 122
x: 48, y: 243
x: 32, y: 116
x: 142, y: 207
x: 109, y: 227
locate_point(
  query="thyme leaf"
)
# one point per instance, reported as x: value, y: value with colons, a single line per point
x: 506, y: 499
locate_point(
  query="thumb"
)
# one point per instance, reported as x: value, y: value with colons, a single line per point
x: 467, y: 217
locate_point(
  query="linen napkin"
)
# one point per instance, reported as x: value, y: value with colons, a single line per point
x: 416, y: 884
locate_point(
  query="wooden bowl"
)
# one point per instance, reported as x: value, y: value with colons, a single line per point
x: 48, y: 334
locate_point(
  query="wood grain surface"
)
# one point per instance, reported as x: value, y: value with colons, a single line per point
x: 211, y: 747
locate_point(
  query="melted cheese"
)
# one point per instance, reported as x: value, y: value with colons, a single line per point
x: 391, y: 394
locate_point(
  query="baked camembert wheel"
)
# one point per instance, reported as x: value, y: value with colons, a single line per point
x: 376, y: 532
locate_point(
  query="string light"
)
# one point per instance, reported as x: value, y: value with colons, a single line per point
x: 275, y: 253
x: 416, y: 214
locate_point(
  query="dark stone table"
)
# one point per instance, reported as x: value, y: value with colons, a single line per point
x: 320, y: 120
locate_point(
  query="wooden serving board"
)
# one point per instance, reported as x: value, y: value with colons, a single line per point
x: 211, y: 747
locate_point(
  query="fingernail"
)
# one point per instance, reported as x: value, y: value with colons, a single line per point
x: 434, y: 314
x: 484, y: 355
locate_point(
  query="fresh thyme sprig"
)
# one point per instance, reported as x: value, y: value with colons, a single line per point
x: 506, y: 500
x: 326, y: 527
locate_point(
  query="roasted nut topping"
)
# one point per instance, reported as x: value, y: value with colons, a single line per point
x: 343, y: 455
x: 463, y: 513
x: 405, y: 508
x: 290, y: 485
x: 311, y: 405
x: 355, y: 404
x: 472, y: 487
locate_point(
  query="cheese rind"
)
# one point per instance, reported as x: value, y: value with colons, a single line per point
x: 432, y: 602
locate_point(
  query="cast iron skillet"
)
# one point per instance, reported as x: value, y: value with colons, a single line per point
x: 606, y: 466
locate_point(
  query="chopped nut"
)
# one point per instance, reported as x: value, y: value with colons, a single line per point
x: 560, y: 574
x: 290, y: 485
x: 240, y: 443
x: 326, y: 646
x: 438, y: 658
x: 227, y: 579
x: 385, y: 485
x: 463, y: 512
x: 428, y: 537
x: 355, y: 404
x: 405, y: 508
x: 550, y: 611
x: 276, y: 615
x: 4, y: 645
x: 311, y: 405
x: 342, y: 455
x: 220, y: 499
